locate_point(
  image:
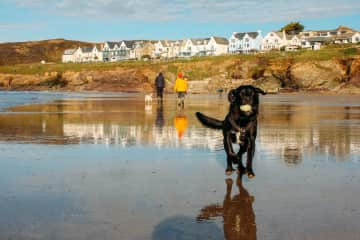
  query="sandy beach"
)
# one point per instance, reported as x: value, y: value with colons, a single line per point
x: 106, y: 166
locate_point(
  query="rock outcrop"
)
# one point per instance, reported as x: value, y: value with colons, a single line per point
x: 273, y: 76
x: 322, y: 75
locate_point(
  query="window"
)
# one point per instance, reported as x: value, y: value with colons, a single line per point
x: 276, y: 41
x: 357, y: 39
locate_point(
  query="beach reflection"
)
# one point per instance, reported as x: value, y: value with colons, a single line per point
x: 237, y: 212
x: 288, y: 126
x: 108, y: 168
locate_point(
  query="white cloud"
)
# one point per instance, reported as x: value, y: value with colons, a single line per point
x: 245, y: 11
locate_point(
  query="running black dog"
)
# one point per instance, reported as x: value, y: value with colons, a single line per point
x: 239, y: 126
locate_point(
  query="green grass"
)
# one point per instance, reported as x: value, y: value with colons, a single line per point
x: 194, y: 72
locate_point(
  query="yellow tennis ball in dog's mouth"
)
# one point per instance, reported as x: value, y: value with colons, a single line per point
x: 245, y: 108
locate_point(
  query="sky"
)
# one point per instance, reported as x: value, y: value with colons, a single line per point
x: 115, y: 20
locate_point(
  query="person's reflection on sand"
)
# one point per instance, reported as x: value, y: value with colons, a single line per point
x: 159, y: 121
x: 181, y: 124
x: 185, y: 228
x: 292, y: 155
x: 237, y: 212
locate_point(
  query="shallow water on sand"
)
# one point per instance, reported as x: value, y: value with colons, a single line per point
x: 106, y: 166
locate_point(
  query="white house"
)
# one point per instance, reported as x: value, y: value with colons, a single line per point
x: 167, y: 48
x: 314, y: 39
x: 273, y: 40
x: 160, y: 50
x: 313, y: 43
x: 194, y: 47
x: 69, y: 56
x: 187, y: 48
x: 97, y: 54
x: 277, y: 40
x: 133, y: 48
x: 111, y: 50
x: 217, y: 46
x: 83, y: 54
x: 245, y: 42
x: 117, y: 51
x: 355, y: 38
x: 293, y: 42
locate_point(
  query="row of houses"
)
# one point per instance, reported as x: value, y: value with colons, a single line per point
x: 239, y: 42
x: 137, y: 49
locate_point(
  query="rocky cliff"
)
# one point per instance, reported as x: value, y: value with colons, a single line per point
x: 272, y: 75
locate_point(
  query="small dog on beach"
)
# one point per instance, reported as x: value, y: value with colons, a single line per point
x: 239, y: 126
x: 148, y: 98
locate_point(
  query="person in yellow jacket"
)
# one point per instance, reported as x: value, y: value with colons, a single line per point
x: 181, y: 87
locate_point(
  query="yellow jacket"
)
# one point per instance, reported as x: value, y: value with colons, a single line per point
x: 181, y: 85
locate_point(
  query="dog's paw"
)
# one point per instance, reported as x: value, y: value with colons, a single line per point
x: 250, y: 173
x: 229, y: 171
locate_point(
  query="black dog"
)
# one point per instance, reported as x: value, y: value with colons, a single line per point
x: 239, y: 126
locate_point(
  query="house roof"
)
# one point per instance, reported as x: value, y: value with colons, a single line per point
x: 200, y: 41
x: 112, y: 44
x: 130, y: 43
x: 69, y: 51
x: 338, y: 29
x: 241, y: 35
x: 345, y: 28
x: 221, y: 40
x: 86, y: 49
x: 279, y: 34
x: 344, y: 36
x: 289, y: 36
x: 183, y: 43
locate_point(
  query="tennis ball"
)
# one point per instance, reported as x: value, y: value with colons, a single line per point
x: 245, y: 108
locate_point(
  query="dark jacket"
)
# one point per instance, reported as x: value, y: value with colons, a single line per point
x: 160, y: 81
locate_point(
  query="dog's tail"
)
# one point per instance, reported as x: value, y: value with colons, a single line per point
x: 209, y: 122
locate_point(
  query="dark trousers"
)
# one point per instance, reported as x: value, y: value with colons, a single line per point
x: 159, y: 92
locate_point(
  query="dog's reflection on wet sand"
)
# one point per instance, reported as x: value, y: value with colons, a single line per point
x: 237, y: 212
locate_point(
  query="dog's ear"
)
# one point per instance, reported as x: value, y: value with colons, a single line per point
x: 232, y: 95
x: 258, y: 90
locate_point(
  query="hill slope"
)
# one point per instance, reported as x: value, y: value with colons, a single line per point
x: 36, y: 51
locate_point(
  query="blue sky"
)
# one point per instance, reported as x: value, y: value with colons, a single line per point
x: 101, y: 20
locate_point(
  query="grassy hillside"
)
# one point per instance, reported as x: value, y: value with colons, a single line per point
x: 36, y: 51
x: 30, y: 54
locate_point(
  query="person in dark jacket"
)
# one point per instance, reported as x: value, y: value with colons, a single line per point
x: 160, y: 85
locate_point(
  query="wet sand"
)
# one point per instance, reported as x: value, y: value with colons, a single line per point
x: 109, y: 167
